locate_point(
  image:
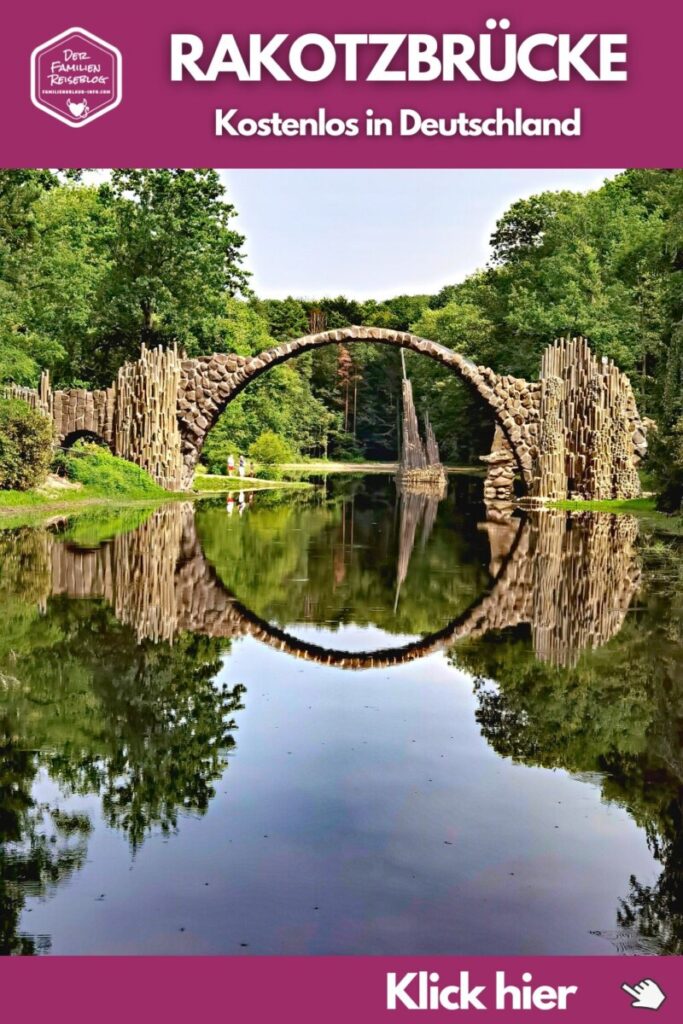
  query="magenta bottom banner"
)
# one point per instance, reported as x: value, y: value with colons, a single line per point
x: 341, y: 990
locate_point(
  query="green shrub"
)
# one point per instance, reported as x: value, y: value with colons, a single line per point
x: 62, y: 464
x: 25, y: 445
x: 269, y: 473
x: 270, y: 449
x: 104, y: 474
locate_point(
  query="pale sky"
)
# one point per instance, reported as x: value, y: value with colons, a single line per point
x: 376, y: 233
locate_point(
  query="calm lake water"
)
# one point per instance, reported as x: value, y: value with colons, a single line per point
x: 340, y: 721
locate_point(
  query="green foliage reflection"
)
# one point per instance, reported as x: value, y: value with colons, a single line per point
x: 618, y: 715
x: 145, y: 726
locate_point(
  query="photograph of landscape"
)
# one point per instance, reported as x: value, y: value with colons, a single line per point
x: 341, y: 552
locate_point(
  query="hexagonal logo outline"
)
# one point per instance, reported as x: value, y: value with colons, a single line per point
x: 117, y: 77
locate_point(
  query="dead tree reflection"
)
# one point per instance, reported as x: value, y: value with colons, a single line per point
x: 415, y: 508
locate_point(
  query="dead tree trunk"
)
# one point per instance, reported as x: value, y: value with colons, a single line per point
x: 412, y: 451
x: 419, y: 462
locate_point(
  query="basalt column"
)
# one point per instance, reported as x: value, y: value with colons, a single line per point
x: 591, y: 437
x: 146, y: 422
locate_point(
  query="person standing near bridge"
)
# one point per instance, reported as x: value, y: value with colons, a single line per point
x: 242, y: 466
x: 231, y: 464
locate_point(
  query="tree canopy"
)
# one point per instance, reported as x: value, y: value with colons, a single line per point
x: 88, y: 271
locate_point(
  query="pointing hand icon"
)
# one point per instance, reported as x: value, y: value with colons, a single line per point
x: 647, y: 995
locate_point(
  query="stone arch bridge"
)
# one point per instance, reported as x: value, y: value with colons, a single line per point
x: 575, y: 431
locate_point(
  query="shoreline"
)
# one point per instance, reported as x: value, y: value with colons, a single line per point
x: 367, y: 467
x: 34, y: 504
x: 41, y: 505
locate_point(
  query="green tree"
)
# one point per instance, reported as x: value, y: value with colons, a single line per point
x: 66, y: 280
x: 462, y: 423
x: 583, y: 264
x: 270, y: 449
x: 175, y: 260
x: 22, y: 351
x: 243, y: 329
x: 279, y: 401
x: 25, y: 445
x: 286, y: 318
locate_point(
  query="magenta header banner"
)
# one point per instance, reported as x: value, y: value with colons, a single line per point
x: 517, y: 83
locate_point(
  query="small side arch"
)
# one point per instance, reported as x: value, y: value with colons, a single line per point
x: 90, y: 436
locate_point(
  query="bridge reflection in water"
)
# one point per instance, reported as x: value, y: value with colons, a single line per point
x: 570, y: 576
x: 121, y: 714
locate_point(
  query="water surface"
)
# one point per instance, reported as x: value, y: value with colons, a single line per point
x: 340, y: 721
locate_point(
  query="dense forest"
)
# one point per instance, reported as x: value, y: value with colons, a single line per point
x: 88, y: 272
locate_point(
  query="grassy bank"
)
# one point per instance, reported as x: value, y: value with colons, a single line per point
x: 87, y: 474
x: 90, y: 476
x: 322, y: 466
x: 326, y: 466
x: 617, y: 505
x: 644, y: 508
x: 54, y: 507
x: 207, y: 483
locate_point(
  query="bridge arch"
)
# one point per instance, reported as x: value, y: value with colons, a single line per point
x: 204, y: 604
x: 209, y: 383
x: 90, y: 436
